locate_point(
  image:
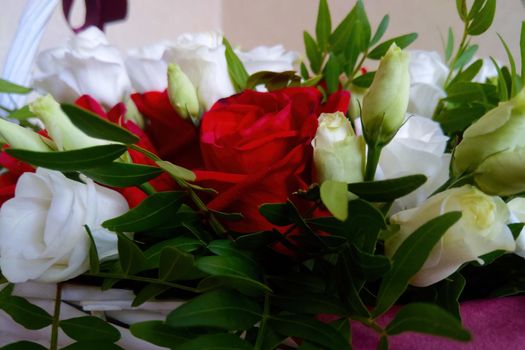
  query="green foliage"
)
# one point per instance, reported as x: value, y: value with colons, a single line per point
x: 334, y: 195
x: 12, y: 88
x: 23, y: 345
x: 238, y: 74
x: 387, y: 190
x: 88, y: 328
x: 122, y: 174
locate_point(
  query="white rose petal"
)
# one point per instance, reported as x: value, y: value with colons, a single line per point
x: 146, y: 68
x: 268, y: 58
x: 42, y: 235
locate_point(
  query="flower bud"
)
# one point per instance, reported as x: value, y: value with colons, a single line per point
x: 133, y: 114
x: 385, y: 103
x: 182, y: 93
x: 19, y: 137
x: 63, y: 132
x: 338, y: 152
x: 493, y: 149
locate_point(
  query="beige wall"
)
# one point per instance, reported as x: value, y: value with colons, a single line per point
x: 253, y: 22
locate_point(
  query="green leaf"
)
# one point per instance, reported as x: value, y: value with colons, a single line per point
x: 223, y: 309
x: 332, y: 71
x: 220, y: 341
x: 94, y: 263
x: 21, y: 114
x: 312, y: 52
x: 177, y: 171
x: 238, y: 74
x: 483, y: 19
x: 234, y: 271
x: 225, y: 247
x: 427, y: 318
x: 122, y: 174
x: 147, y: 293
x: 323, y: 27
x: 334, y: 195
x: 364, y: 80
x: 449, y: 292
x: 513, y: 75
x: 458, y: 119
x: 12, y: 88
x: 410, y: 257
x: 381, y: 29
x: 94, y: 126
x: 468, y: 74
x: 461, y: 6
x: 304, y: 71
x: 466, y: 56
x: 182, y: 243
x: 475, y: 8
x: 88, y: 328
x: 450, y: 44
x: 158, y: 333
x: 70, y: 160
x: 309, y: 329
x: 349, y: 285
x: 24, y: 313
x: 177, y: 265
x: 387, y: 190
x: 370, y: 266
x: 309, y: 303
x: 151, y: 212
x: 353, y: 33
x: 23, y: 345
x: 278, y: 214
x: 401, y: 41
x: 522, y: 52
x: 131, y: 258
x: 257, y: 240
x: 90, y: 345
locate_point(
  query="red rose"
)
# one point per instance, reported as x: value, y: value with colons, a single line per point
x: 8, y: 179
x: 256, y: 148
x: 175, y: 138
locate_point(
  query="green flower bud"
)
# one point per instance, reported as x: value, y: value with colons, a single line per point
x: 63, y: 132
x: 492, y: 149
x: 338, y: 152
x: 182, y: 93
x: 386, y: 101
x: 133, y: 114
x: 19, y: 137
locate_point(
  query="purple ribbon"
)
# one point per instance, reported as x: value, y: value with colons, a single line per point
x: 98, y: 12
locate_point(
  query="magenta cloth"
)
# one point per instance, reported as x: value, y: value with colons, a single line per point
x: 494, y: 324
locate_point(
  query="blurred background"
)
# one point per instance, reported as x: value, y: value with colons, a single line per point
x: 248, y: 23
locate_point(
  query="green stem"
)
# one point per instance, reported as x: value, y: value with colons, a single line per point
x: 262, y: 328
x: 56, y: 318
x: 147, y: 188
x: 372, y: 159
x: 143, y: 279
x: 458, y: 54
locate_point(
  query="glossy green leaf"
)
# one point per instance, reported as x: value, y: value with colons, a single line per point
x: 334, y: 195
x: 177, y: 265
x: 151, y: 212
x: 94, y: 263
x: 223, y: 309
x: 148, y: 293
x: 353, y: 33
x: 449, y: 48
x: 309, y: 303
x: 122, y: 174
x: 238, y: 74
x: 94, y: 126
x: 23, y: 345
x: 401, y: 41
x: 177, y: 171
x: 468, y: 74
x: 380, y: 31
x: 131, y: 258
x: 90, y: 345
x: 89, y: 328
x: 512, y: 63
x: 458, y: 119
x: 349, y: 285
x: 182, y: 243
x: 21, y: 114
x: 24, y: 313
x: 387, y: 190
x: 410, y: 257
x: 309, y: 329
x: 220, y: 341
x: 466, y: 56
x: 332, y: 71
x: 278, y: 214
x: 225, y: 247
x: 323, y: 26
x: 461, y: 6
x: 257, y: 240
x: 475, y: 8
x: 312, y: 52
x: 427, y: 318
x: 370, y: 266
x: 448, y: 293
x: 158, y: 333
x: 234, y: 271
x: 364, y: 80
x: 70, y: 160
x: 304, y: 71
x: 483, y: 19
x: 12, y: 88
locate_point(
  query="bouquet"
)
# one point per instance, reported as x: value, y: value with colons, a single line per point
x: 196, y: 196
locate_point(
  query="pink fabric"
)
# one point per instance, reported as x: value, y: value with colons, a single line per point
x: 494, y: 324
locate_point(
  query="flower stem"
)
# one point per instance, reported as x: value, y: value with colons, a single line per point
x: 56, y: 318
x: 147, y: 188
x: 458, y: 54
x: 372, y: 159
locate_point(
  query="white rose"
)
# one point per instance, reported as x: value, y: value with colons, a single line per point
x: 517, y: 210
x: 417, y: 148
x: 202, y: 58
x: 268, y: 58
x: 42, y: 235
x: 146, y: 68
x: 428, y: 73
x: 481, y: 230
x: 87, y: 64
x: 338, y: 152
